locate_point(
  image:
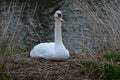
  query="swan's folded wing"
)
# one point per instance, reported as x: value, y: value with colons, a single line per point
x: 42, y: 49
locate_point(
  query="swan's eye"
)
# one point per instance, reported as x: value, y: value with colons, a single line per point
x: 59, y: 15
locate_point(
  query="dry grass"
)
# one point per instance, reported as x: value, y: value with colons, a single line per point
x: 19, y: 27
x: 22, y: 67
x: 8, y: 29
x: 103, y: 18
x: 82, y: 67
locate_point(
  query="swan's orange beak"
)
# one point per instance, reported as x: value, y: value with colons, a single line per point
x: 60, y: 18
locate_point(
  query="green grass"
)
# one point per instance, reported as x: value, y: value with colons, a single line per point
x: 112, y: 57
x: 7, y: 49
x: 104, y: 23
x: 104, y: 70
x: 111, y: 72
x: 5, y: 77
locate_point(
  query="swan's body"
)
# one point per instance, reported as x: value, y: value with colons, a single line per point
x: 54, y: 50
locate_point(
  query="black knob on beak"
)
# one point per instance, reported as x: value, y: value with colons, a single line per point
x: 59, y: 15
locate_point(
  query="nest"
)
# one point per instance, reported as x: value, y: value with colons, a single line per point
x: 22, y: 67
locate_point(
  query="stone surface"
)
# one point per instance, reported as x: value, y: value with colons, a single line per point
x: 29, y: 30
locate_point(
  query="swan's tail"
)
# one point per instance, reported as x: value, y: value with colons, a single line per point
x: 35, y: 54
x: 31, y: 53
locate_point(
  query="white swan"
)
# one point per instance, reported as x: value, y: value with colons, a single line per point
x: 54, y: 50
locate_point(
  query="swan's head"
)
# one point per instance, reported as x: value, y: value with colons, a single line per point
x: 58, y: 15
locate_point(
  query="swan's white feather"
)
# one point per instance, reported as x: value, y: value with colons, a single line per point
x: 52, y: 51
x: 42, y: 48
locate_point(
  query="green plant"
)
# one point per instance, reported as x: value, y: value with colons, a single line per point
x: 92, y: 69
x: 112, y: 57
x: 5, y: 77
x: 111, y: 72
x: 7, y: 49
x: 101, y: 70
x: 84, y: 49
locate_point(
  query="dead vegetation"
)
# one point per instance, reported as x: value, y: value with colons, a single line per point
x: 105, y: 24
x: 22, y: 67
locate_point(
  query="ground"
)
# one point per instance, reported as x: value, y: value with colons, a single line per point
x: 22, y: 67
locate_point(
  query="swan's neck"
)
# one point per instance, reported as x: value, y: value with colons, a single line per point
x: 58, y: 35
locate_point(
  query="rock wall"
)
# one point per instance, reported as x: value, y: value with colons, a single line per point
x: 31, y: 22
